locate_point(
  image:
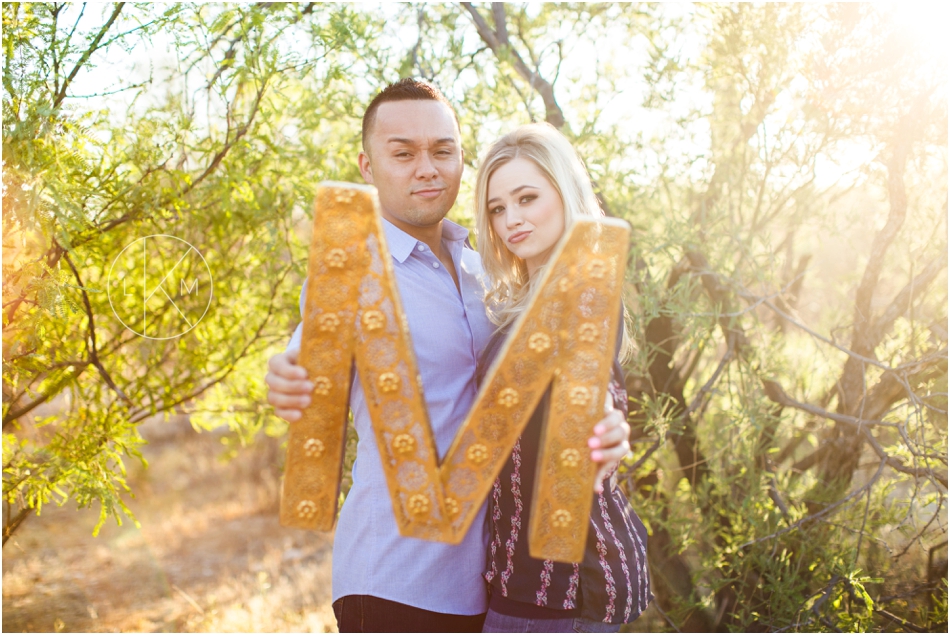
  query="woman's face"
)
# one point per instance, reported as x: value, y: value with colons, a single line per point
x: 525, y: 211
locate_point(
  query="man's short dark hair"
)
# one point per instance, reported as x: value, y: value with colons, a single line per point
x: 406, y: 89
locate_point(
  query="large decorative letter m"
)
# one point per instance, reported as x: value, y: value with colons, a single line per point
x: 353, y: 312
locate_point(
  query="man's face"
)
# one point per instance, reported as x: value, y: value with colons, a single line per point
x: 414, y: 158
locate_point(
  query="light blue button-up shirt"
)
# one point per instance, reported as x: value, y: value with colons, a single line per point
x: 449, y: 329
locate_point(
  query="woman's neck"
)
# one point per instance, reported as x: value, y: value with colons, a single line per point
x: 534, y: 267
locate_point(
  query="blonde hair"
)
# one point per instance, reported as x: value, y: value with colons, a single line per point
x: 509, y: 286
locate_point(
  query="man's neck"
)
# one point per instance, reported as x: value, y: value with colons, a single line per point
x: 431, y: 235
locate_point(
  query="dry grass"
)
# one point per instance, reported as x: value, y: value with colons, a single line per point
x: 210, y: 555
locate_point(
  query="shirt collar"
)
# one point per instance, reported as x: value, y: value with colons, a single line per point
x: 401, y: 244
x: 454, y: 232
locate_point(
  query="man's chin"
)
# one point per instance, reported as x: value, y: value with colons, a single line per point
x: 425, y: 217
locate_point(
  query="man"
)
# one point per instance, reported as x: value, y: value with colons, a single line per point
x: 383, y: 581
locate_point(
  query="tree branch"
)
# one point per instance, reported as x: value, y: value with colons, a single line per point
x: 212, y: 166
x: 14, y: 523
x: 893, y: 386
x: 12, y: 415
x: 902, y: 301
x: 500, y: 45
x: 777, y: 394
x: 824, y: 512
x: 58, y: 99
x: 852, y: 376
x: 91, y: 346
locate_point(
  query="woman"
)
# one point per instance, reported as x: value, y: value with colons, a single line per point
x: 531, y: 185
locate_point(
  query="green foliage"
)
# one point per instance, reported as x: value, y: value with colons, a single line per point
x: 764, y: 508
x: 225, y: 167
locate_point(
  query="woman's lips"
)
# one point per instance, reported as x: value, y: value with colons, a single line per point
x: 517, y: 237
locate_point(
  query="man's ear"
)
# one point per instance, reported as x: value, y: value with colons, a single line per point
x: 365, y: 168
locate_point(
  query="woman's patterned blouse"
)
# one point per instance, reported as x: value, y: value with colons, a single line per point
x: 611, y: 584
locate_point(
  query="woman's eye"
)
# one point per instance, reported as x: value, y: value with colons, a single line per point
x: 527, y: 199
x: 496, y: 210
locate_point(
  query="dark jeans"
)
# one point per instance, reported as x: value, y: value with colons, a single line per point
x: 498, y: 623
x: 368, y: 614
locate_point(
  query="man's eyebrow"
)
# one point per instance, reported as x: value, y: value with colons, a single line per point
x: 410, y: 142
x: 516, y: 190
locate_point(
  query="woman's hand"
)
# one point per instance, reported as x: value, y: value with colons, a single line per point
x: 610, y: 443
x: 289, y: 391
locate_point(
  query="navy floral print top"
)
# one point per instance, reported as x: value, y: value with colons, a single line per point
x: 611, y: 584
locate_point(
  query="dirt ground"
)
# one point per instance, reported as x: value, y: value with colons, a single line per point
x: 209, y: 556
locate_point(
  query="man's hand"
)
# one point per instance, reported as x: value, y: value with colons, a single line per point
x: 610, y: 443
x: 289, y: 391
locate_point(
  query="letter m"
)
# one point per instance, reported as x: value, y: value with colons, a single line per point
x: 183, y: 290
x: 564, y: 340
